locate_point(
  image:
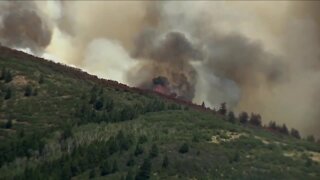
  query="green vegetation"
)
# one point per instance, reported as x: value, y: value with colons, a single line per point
x: 57, y: 124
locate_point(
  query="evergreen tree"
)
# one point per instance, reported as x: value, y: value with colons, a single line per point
x: 184, y: 148
x: 98, y: 104
x: 7, y: 77
x: 138, y: 150
x: 131, y: 161
x: 272, y: 125
x: 142, y: 139
x: 284, y: 129
x: 8, y: 124
x: 93, y: 97
x: 123, y: 141
x: 231, y: 117
x: 113, y: 145
x: 41, y: 79
x: 144, y: 171
x: 130, y: 175
x: 3, y: 73
x: 311, y: 138
x: 154, y: 151
x: 35, y: 92
x: 109, y: 104
x: 8, y: 93
x: 223, y: 109
x: 255, y: 119
x: 243, y: 117
x: 28, y: 90
x: 295, y: 133
x: 115, y: 166
x: 105, y: 168
x: 92, y: 174
x: 165, y: 162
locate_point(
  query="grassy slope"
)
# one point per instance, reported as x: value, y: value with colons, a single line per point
x: 37, y: 142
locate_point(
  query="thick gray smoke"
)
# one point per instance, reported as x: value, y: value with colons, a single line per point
x: 168, y: 55
x: 256, y: 56
x: 23, y: 26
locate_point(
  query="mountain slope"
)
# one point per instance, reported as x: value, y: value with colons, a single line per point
x: 60, y: 123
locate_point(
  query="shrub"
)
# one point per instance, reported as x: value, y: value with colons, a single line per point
x: 184, y: 148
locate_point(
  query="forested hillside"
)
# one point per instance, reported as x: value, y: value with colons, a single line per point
x: 57, y: 122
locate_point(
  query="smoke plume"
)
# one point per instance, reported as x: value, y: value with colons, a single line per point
x: 23, y: 26
x: 168, y: 55
x: 257, y: 56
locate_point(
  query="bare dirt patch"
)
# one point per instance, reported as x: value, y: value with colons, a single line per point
x: 20, y: 80
x: 314, y: 156
x: 226, y: 136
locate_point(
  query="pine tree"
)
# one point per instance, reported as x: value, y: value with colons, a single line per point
x: 154, y: 151
x: 105, y: 168
x: 255, y: 119
x: 311, y: 138
x: 138, y: 150
x: 284, y: 129
x: 35, y: 92
x: 231, y: 117
x: 131, y: 161
x: 165, y: 162
x: 7, y: 77
x: 8, y: 94
x: 28, y: 90
x: 243, y: 118
x: 98, y: 104
x: 145, y: 170
x: 113, y: 145
x: 223, y: 109
x: 3, y: 73
x: 130, y: 175
x: 295, y: 133
x: 8, y: 124
x: 92, y: 174
x: 41, y: 79
x: 142, y: 139
x: 115, y: 166
x: 184, y: 148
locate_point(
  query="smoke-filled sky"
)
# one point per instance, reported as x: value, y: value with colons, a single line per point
x: 256, y: 56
